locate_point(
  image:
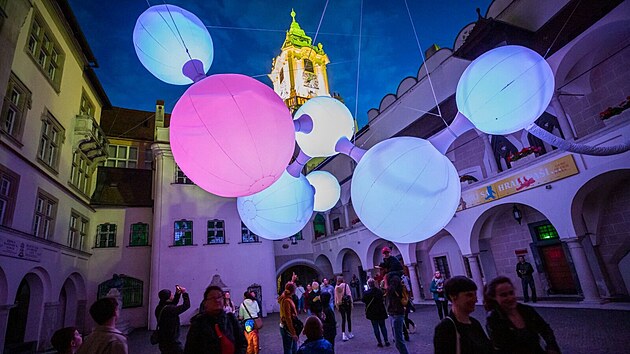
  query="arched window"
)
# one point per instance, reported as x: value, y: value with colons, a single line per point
x: 131, y: 291
x: 308, y: 66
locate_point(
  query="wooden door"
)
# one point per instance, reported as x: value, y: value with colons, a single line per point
x: 558, y: 270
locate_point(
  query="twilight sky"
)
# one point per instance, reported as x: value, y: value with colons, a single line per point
x: 247, y: 34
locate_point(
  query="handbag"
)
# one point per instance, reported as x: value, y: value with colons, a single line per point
x: 346, y: 300
x: 298, y: 325
x: 155, y: 336
x: 258, y: 323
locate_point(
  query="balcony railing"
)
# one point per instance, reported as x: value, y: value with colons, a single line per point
x: 90, y: 138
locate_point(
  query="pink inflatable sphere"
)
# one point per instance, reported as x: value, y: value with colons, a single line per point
x: 231, y: 135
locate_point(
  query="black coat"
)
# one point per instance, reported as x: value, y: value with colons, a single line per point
x: 473, y: 339
x: 167, y: 314
x: 203, y: 339
x: 508, y: 339
x: 374, y: 305
x: 315, y: 302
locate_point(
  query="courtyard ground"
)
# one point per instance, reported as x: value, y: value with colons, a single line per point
x: 578, y: 330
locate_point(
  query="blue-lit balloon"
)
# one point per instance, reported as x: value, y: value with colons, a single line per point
x: 505, y: 89
x: 162, y: 36
x: 281, y: 210
x: 404, y: 190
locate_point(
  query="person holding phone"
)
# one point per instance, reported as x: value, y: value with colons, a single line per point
x: 167, y: 314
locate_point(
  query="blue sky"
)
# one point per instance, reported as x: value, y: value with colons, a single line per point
x: 247, y: 34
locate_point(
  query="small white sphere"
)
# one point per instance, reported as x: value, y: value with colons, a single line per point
x: 327, y: 189
x: 404, y: 190
x: 331, y: 121
x: 505, y: 90
x: 279, y: 211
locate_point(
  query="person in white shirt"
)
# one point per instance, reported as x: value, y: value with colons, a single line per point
x: 248, y: 313
x: 299, y: 292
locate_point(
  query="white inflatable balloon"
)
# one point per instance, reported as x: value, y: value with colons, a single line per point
x: 279, y: 211
x: 505, y: 90
x: 327, y: 189
x: 331, y: 121
x: 404, y: 190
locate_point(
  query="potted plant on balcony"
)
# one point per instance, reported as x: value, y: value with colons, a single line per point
x: 613, y: 111
x: 520, y: 155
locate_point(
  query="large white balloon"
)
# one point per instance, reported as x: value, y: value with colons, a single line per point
x: 404, y: 190
x: 166, y: 37
x: 331, y: 121
x: 505, y: 90
x: 327, y: 189
x: 279, y: 211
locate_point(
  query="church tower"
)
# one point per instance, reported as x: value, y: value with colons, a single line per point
x: 299, y: 72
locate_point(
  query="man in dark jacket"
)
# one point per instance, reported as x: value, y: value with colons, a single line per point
x: 167, y: 314
x: 525, y: 271
x: 214, y: 331
x: 396, y: 310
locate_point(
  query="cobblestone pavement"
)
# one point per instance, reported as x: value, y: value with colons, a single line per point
x: 577, y: 330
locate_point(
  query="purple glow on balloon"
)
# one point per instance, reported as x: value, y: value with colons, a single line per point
x: 231, y: 135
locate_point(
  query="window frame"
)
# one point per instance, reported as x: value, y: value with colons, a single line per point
x: 8, y: 194
x: 443, y: 267
x: 81, y: 172
x: 86, y: 107
x: 106, y: 238
x: 247, y: 236
x: 77, y: 230
x: 17, y: 107
x: 127, y: 160
x: 181, y: 178
x: 50, y: 142
x: 44, y: 219
x: 44, y: 49
x: 145, y: 236
x: 215, y: 229
x: 183, y: 233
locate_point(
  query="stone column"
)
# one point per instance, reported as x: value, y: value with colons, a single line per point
x: 563, y: 120
x: 476, y: 275
x: 328, y: 225
x: 4, y: 322
x: 415, y: 285
x: 494, y: 168
x: 49, y: 324
x: 346, y: 217
x: 583, y: 270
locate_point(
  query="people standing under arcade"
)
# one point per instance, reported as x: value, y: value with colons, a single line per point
x: 375, y: 311
x: 525, y: 271
x: 288, y: 313
x: 513, y: 327
x: 327, y: 288
x: 343, y: 303
x: 437, y: 289
x: 354, y: 287
x: 459, y: 332
x: 248, y: 313
x: 314, y: 300
x: 167, y: 315
x: 213, y: 330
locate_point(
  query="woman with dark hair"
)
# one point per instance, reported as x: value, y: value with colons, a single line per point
x: 288, y: 313
x: 459, y: 332
x: 228, y: 305
x: 375, y: 311
x: 513, y: 327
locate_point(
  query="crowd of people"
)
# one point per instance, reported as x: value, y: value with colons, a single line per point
x: 222, y: 327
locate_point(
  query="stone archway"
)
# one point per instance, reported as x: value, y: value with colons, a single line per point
x: 25, y: 317
x: 323, y: 263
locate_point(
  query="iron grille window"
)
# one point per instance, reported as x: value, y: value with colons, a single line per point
x: 546, y: 232
x: 106, y: 235
x: 139, y: 235
x: 216, y: 231
x: 247, y: 236
x: 183, y: 233
x: 181, y: 178
x: 131, y: 290
x: 441, y: 264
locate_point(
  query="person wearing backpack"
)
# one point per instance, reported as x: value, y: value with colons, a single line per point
x: 343, y: 303
x: 167, y: 314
